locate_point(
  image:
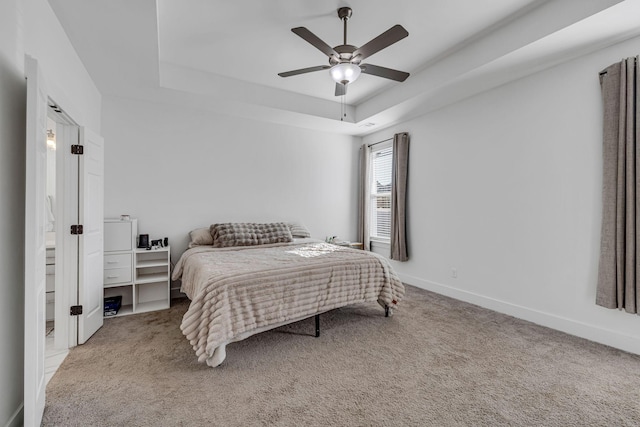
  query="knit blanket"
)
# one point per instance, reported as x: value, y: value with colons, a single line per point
x: 236, y: 292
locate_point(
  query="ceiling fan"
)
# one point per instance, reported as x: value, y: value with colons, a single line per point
x: 345, y: 59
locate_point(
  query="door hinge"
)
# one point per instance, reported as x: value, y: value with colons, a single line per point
x: 77, y: 149
x: 76, y: 310
x: 76, y: 229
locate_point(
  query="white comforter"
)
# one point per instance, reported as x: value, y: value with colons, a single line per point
x: 240, y: 291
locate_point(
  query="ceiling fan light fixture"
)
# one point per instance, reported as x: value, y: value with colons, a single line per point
x: 345, y: 73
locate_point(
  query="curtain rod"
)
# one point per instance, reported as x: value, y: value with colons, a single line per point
x: 380, y: 142
x: 635, y: 59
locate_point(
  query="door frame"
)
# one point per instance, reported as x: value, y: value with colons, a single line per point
x: 66, y: 285
x: 66, y: 277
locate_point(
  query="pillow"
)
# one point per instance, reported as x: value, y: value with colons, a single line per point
x: 200, y: 237
x: 298, y: 230
x: 249, y: 234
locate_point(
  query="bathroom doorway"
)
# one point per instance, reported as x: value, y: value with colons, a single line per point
x: 61, y: 250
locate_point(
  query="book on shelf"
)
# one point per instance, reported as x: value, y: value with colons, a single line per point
x: 112, y: 305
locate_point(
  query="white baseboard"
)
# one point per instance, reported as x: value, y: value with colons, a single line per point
x: 17, y: 419
x: 570, y: 326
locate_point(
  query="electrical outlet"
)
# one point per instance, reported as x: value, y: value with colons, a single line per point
x: 454, y: 273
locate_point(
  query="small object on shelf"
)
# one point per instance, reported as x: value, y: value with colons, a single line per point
x: 143, y: 241
x: 112, y: 305
x: 159, y: 243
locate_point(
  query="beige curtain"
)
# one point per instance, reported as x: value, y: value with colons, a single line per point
x: 618, y: 281
x: 399, y: 197
x: 363, y: 197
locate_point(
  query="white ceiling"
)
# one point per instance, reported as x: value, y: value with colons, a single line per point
x: 251, y: 40
x: 223, y: 53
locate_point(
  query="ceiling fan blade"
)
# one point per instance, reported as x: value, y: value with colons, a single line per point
x: 389, y: 37
x: 387, y: 73
x: 341, y: 89
x: 315, y: 41
x: 304, y: 70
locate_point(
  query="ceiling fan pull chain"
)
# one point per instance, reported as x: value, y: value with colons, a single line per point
x: 344, y: 98
x: 343, y: 107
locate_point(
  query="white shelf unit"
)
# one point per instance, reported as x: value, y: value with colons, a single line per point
x: 119, y: 243
x: 151, y: 283
x: 139, y: 276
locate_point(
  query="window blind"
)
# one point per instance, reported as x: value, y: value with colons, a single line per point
x: 381, y: 173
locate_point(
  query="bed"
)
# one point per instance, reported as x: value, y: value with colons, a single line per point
x: 241, y: 286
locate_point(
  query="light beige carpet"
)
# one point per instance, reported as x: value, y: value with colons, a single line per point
x: 436, y: 362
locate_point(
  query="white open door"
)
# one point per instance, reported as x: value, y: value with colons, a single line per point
x: 90, y: 262
x: 34, y: 245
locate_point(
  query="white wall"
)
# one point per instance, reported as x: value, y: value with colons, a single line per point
x: 27, y: 27
x: 12, y: 137
x: 177, y: 167
x: 505, y: 187
x: 68, y: 81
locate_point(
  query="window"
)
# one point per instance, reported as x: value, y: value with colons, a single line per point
x: 380, y: 185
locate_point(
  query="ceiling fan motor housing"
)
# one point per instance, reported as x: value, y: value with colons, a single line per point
x: 346, y: 55
x: 344, y: 13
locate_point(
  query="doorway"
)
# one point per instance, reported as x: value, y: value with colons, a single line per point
x: 61, y: 250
